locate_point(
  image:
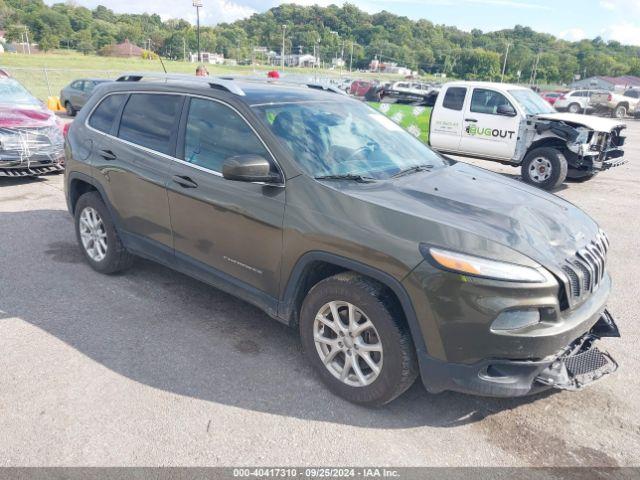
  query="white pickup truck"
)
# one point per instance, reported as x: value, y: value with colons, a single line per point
x: 513, y: 125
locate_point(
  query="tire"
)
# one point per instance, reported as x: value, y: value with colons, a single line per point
x: 70, y: 110
x: 536, y: 165
x: 619, y: 112
x: 574, y: 108
x: 116, y: 258
x: 396, y: 358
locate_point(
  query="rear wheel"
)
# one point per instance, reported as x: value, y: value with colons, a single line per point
x: 544, y: 167
x: 97, y: 236
x: 355, y: 337
x: 574, y: 108
x: 70, y: 110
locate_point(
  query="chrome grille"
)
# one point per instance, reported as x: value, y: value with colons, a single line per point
x: 586, y: 269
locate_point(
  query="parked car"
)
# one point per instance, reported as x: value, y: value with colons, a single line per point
x: 409, y: 91
x: 551, y: 97
x: 617, y: 105
x: 390, y: 259
x: 359, y: 88
x: 575, y: 101
x: 75, y: 95
x: 31, y: 136
x: 513, y: 125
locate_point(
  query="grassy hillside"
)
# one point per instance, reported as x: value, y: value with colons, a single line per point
x: 46, y: 74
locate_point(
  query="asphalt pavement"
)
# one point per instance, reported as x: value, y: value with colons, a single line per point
x: 152, y: 368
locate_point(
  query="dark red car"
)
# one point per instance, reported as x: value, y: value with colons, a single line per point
x: 551, y: 97
x: 31, y: 136
x: 359, y: 88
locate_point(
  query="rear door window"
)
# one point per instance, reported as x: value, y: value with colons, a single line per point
x: 103, y: 116
x: 151, y: 121
x: 454, y: 98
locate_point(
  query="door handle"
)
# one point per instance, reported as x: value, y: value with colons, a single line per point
x: 184, y: 181
x: 108, y: 155
x: 471, y: 120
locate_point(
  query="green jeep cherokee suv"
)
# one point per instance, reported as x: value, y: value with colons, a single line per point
x: 392, y: 260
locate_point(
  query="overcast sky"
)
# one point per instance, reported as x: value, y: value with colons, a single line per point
x: 570, y: 19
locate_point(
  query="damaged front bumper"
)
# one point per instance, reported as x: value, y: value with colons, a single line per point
x: 575, y: 367
x: 31, y: 151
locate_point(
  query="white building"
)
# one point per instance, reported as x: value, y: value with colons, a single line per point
x: 207, y: 57
x: 295, y: 60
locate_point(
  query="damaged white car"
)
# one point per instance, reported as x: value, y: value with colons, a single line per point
x: 513, y: 125
x: 31, y: 136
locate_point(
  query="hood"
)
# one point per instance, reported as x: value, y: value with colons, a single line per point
x: 595, y: 123
x: 26, y: 117
x: 457, y: 204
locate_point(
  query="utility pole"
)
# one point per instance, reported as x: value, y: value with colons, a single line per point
x: 284, y: 29
x: 351, y: 59
x: 26, y: 35
x: 198, y: 4
x: 504, y: 65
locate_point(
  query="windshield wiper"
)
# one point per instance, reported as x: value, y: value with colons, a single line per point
x: 347, y: 176
x: 414, y: 169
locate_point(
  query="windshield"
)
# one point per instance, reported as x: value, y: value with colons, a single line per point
x: 12, y: 93
x: 531, y: 102
x: 346, y: 138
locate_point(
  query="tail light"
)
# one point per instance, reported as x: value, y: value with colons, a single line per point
x: 65, y: 129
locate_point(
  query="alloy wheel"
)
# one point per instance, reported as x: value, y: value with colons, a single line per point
x: 540, y: 169
x: 348, y: 343
x: 93, y: 234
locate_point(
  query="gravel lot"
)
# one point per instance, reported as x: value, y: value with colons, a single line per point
x: 154, y: 368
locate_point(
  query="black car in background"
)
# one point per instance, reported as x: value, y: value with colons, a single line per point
x: 75, y: 95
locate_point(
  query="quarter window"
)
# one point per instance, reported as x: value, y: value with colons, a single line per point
x: 151, y: 120
x: 487, y: 101
x: 214, y: 132
x: 454, y: 98
x: 103, y: 116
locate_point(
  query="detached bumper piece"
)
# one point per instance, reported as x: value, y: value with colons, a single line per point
x: 582, y: 363
x: 577, y: 366
x: 30, y: 172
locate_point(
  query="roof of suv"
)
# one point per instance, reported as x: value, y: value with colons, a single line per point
x: 250, y: 90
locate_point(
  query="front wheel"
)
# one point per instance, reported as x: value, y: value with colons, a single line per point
x: 355, y: 337
x: 69, y: 109
x: 545, y: 168
x: 620, y: 111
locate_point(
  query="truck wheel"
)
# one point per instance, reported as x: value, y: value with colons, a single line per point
x: 544, y: 167
x: 355, y: 337
x: 97, y: 236
x: 574, y: 108
x: 620, y: 111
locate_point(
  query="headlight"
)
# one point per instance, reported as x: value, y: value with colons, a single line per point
x: 483, y: 267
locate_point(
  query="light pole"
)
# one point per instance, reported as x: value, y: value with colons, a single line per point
x: 284, y: 29
x: 504, y: 65
x: 198, y: 4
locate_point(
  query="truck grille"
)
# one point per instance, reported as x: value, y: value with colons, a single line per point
x: 586, y: 269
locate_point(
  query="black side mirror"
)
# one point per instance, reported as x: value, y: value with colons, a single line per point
x: 506, y: 110
x: 248, y: 168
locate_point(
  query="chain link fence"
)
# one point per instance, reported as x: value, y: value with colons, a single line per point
x: 47, y: 82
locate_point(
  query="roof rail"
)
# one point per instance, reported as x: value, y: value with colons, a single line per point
x: 288, y: 81
x: 214, y: 82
